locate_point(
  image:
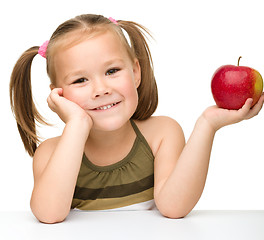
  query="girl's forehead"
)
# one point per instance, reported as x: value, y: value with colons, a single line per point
x: 79, y: 36
x: 100, y: 44
x: 104, y: 44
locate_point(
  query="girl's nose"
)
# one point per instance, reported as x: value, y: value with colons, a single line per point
x: 100, y: 89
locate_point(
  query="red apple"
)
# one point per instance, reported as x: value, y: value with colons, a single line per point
x: 232, y: 85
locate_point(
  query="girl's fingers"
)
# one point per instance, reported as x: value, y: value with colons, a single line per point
x: 256, y: 109
x: 51, y: 103
x: 243, y: 112
x: 59, y: 91
x: 247, y: 105
x: 55, y: 94
x: 53, y: 98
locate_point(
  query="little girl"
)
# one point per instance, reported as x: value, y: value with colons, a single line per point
x: 112, y: 153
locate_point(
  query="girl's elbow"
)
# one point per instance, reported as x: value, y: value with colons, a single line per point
x: 48, y: 216
x: 174, y: 214
x: 49, y: 219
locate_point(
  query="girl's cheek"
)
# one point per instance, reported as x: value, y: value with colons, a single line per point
x: 70, y: 95
x: 66, y: 93
x: 75, y: 97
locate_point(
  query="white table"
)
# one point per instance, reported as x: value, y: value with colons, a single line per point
x: 213, y: 225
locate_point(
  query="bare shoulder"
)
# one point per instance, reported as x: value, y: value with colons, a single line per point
x: 159, y: 128
x: 43, y: 154
x: 47, y: 146
x: 159, y: 125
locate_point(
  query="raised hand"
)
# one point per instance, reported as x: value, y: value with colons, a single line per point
x: 219, y: 117
x: 66, y: 109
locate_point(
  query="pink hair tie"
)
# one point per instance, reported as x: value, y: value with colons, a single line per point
x: 113, y: 20
x: 43, y: 48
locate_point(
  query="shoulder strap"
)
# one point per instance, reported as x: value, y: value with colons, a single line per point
x: 140, y: 136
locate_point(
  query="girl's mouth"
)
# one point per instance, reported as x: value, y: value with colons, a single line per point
x: 105, y: 107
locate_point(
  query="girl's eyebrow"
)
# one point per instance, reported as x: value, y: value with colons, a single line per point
x: 114, y: 60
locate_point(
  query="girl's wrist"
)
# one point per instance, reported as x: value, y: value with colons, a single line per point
x: 206, y: 125
x: 81, y: 125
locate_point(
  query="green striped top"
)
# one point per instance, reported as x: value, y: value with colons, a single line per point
x: 125, y: 183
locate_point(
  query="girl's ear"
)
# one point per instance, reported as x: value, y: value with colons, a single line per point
x: 137, y: 72
x: 52, y: 87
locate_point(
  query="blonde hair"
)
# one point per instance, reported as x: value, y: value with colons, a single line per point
x: 87, y: 25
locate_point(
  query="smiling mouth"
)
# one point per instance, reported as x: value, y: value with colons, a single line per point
x: 106, y: 106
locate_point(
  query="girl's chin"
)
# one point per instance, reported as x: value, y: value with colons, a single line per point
x: 109, y: 124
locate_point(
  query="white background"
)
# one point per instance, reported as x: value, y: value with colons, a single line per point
x: 192, y: 39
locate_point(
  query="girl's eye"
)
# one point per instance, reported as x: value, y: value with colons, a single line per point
x: 80, y: 80
x: 112, y: 71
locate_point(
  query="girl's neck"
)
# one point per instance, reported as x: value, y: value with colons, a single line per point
x: 106, y: 148
x: 108, y: 138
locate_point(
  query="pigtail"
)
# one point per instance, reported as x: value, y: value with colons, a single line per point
x: 22, y: 103
x: 147, y: 90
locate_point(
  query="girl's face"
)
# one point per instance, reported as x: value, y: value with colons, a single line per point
x: 99, y: 76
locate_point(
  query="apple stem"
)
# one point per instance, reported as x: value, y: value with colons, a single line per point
x: 238, y: 60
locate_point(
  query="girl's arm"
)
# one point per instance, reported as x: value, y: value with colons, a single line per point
x: 57, y: 162
x: 180, y: 177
